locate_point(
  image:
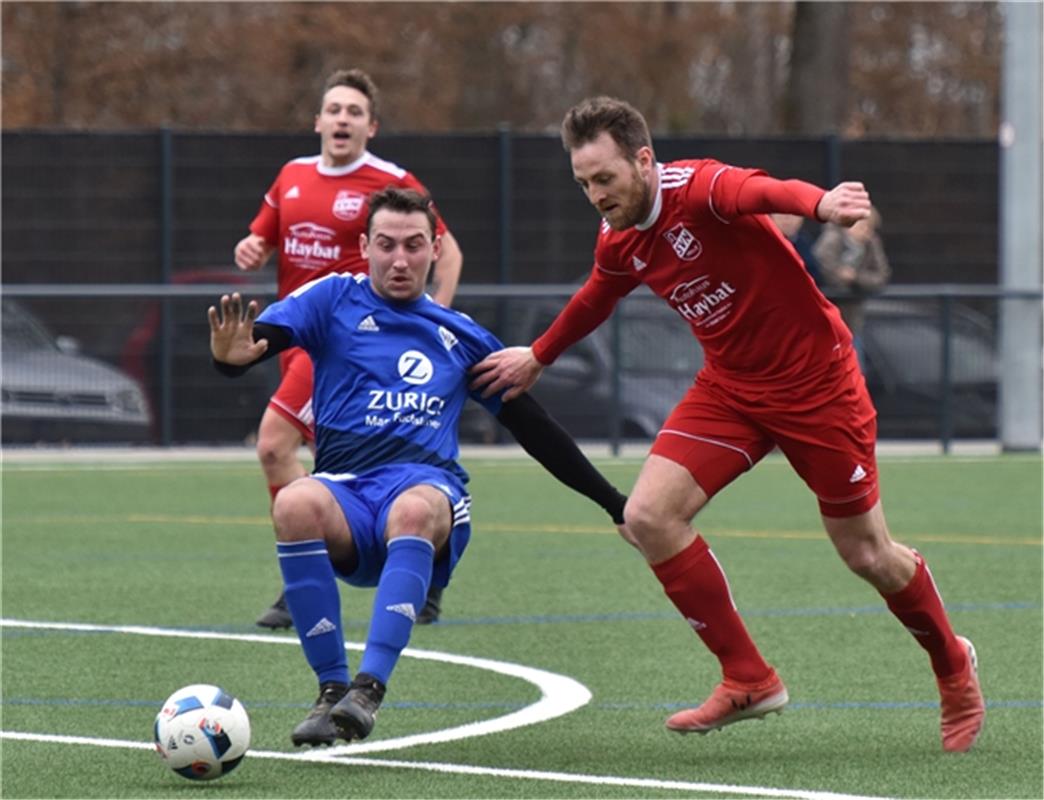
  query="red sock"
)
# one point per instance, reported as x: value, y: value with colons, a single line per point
x: 920, y: 608
x: 695, y: 583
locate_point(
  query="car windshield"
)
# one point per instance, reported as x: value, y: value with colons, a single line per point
x: 911, y: 348
x: 21, y: 332
x: 658, y: 345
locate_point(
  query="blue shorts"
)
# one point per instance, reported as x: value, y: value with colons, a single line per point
x: 365, y: 501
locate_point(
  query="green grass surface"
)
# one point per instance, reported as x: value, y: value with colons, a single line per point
x: 545, y: 584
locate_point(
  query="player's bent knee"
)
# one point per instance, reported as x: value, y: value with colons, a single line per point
x: 865, y: 560
x: 277, y: 443
x: 299, y: 511
x: 643, y: 519
x: 421, y: 511
x: 277, y: 451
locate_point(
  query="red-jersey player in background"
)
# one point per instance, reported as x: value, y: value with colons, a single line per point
x: 314, y: 213
x: 779, y: 371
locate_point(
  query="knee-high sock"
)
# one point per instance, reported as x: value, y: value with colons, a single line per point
x: 401, y: 591
x: 694, y: 581
x: 919, y: 607
x: 315, y: 605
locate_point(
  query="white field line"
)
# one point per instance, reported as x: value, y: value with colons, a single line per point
x: 328, y: 757
x: 559, y: 695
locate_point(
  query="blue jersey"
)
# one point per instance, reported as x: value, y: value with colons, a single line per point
x: 391, y: 379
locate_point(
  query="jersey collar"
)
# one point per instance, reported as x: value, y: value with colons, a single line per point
x: 654, y: 214
x: 322, y: 169
x: 398, y: 305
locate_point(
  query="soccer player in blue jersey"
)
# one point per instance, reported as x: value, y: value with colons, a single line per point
x: 386, y: 505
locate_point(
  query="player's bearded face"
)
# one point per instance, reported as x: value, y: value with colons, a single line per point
x: 634, y: 205
x: 401, y: 250
x: 616, y: 185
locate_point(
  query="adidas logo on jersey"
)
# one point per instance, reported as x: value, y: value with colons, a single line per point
x: 406, y: 609
x: 368, y: 324
x: 857, y: 474
x: 639, y: 265
x: 322, y: 626
x: 293, y: 193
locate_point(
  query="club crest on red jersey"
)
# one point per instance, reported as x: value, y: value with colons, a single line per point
x: 687, y: 246
x: 348, y: 204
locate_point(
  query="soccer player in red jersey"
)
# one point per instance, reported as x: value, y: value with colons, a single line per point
x: 314, y: 213
x: 779, y: 371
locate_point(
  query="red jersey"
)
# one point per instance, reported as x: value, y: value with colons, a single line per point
x: 314, y: 214
x: 730, y: 274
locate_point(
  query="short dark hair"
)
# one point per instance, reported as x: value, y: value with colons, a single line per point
x: 587, y: 119
x: 402, y: 201
x: 355, y: 79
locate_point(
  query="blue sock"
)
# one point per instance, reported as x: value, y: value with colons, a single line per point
x: 401, y: 593
x: 315, y: 605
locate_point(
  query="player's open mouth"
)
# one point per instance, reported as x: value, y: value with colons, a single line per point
x: 342, y: 136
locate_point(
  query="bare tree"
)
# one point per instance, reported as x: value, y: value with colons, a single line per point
x: 740, y: 68
x: 816, y: 96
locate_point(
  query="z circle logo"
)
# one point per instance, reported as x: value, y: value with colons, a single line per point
x: 415, y: 367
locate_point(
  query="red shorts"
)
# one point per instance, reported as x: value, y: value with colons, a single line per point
x: 827, y: 431
x: 293, y: 399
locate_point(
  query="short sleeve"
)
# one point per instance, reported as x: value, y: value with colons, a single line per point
x: 306, y: 311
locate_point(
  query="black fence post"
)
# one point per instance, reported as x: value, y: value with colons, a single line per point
x: 506, y: 206
x: 505, y: 212
x: 833, y: 159
x: 615, y: 432
x: 166, y: 238
x: 946, y: 374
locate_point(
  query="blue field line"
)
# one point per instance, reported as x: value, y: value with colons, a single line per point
x: 641, y: 616
x: 156, y: 704
x: 880, y: 705
x: 614, y: 616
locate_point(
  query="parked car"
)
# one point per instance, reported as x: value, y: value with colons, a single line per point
x: 205, y: 406
x: 902, y: 360
x: 659, y: 358
x: 53, y: 393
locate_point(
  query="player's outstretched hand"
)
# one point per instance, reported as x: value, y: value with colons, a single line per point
x: 845, y: 204
x: 232, y: 331
x: 514, y: 369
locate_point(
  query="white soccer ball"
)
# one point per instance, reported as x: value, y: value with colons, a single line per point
x: 202, y: 732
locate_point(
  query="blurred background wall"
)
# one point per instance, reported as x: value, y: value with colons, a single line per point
x: 138, y: 139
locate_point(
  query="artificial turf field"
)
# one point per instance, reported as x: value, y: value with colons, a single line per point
x: 557, y: 606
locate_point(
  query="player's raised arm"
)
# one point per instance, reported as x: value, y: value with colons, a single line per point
x: 236, y: 341
x: 515, y: 369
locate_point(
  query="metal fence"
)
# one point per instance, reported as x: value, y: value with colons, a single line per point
x: 155, y: 206
x: 114, y: 244
x: 130, y: 363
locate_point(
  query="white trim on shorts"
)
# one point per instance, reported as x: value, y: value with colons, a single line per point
x: 726, y: 445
